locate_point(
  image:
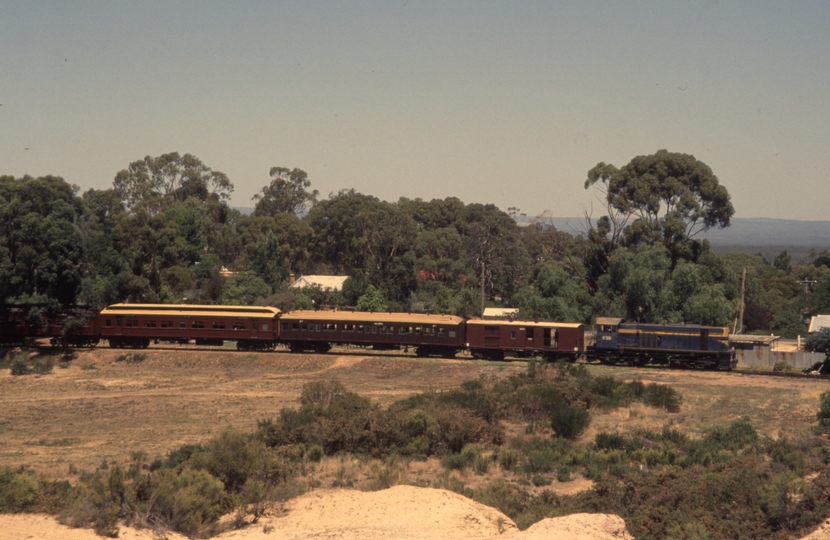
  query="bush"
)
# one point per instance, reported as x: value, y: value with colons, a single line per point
x: 20, y: 367
x: 539, y: 480
x: 18, y: 491
x: 188, y: 502
x: 569, y: 421
x: 507, y: 458
x: 823, y: 414
x: 133, y: 358
x: 782, y: 366
x: 610, y: 441
x: 664, y: 397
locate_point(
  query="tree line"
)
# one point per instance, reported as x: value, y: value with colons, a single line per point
x: 164, y: 231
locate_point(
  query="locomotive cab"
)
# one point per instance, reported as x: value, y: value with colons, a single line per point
x: 607, y: 330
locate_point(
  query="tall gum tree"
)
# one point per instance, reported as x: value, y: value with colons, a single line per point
x: 666, y: 197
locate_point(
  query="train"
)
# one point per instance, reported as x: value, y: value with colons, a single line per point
x: 263, y: 328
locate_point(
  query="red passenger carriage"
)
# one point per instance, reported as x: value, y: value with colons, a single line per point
x: 136, y: 325
x: 494, y: 340
x: 319, y: 330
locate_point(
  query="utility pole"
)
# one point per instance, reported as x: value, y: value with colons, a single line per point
x: 482, y: 289
x: 743, y: 294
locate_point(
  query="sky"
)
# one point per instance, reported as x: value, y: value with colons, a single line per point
x: 503, y: 102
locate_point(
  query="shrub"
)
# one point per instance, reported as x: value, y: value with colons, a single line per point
x: 133, y: 358
x: 234, y: 458
x: 507, y: 458
x: 569, y: 421
x: 315, y: 453
x: 456, y: 428
x: 610, y: 441
x: 539, y: 480
x: 665, y: 397
x: 42, y: 367
x: 20, y: 367
x: 18, y: 490
x: 823, y: 414
x: 782, y: 366
x: 188, y: 502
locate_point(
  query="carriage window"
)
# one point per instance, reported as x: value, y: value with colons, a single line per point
x: 219, y: 324
x: 182, y: 324
x: 295, y: 326
x: 265, y: 326
x: 239, y: 326
x: 118, y: 322
x: 374, y: 329
x: 304, y: 327
x: 166, y: 324
x: 452, y: 333
x: 285, y: 327
x: 197, y: 324
x: 359, y: 328
x: 316, y: 327
x: 254, y: 325
x: 149, y: 324
x: 512, y: 334
x: 131, y: 323
x: 417, y: 329
x: 440, y: 332
x: 108, y: 322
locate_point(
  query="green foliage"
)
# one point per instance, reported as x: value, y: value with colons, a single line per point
x: 38, y: 366
x: 287, y: 193
x: 664, y: 397
x: 131, y: 358
x: 569, y: 421
x: 18, y: 490
x: 372, y: 300
x: 20, y: 367
x: 244, y: 289
x: 823, y: 414
x: 818, y: 341
x: 188, y: 502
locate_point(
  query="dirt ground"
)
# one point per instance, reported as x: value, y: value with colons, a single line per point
x: 99, y: 408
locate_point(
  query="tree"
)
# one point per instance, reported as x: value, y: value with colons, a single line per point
x: 287, y: 193
x: 152, y: 182
x: 494, y: 247
x: 372, y: 300
x: 244, y: 289
x: 41, y: 247
x: 666, y: 198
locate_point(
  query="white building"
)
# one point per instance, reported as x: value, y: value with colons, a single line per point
x: 818, y: 322
x: 326, y: 283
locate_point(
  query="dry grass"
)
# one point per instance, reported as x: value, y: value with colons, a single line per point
x: 78, y: 417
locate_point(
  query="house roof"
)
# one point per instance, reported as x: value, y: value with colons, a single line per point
x: 499, y: 313
x: 818, y: 322
x: 331, y: 283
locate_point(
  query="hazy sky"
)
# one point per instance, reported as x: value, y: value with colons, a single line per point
x: 507, y: 102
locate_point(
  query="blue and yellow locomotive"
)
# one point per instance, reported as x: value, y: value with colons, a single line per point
x: 676, y: 345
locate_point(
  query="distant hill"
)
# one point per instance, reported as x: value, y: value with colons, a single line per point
x: 765, y: 235
x: 768, y: 236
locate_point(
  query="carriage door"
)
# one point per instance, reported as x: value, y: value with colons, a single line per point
x: 529, y: 344
x: 546, y: 338
x: 704, y: 340
x: 491, y: 336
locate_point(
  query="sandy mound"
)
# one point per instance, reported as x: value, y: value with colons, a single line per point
x: 402, y: 512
